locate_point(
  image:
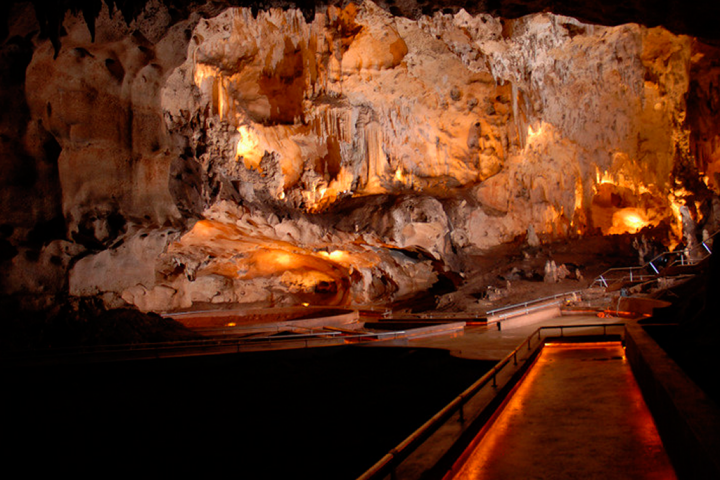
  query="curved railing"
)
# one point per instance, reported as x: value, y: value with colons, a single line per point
x: 655, y: 266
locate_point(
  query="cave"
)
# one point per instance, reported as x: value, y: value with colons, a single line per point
x: 166, y: 157
x: 270, y: 155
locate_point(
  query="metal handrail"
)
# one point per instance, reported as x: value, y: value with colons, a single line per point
x: 150, y: 345
x: 685, y: 252
x: 603, y: 278
x: 157, y: 349
x: 404, y: 449
x: 527, y: 304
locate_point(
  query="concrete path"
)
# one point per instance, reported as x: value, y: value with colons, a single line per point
x: 577, y: 414
x: 489, y: 343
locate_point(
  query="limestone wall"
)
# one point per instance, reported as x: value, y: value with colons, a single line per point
x: 402, y: 143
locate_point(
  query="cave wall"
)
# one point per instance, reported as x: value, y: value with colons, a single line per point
x: 342, y: 155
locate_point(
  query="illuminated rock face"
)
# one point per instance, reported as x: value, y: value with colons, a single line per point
x: 358, y: 102
x: 356, y: 157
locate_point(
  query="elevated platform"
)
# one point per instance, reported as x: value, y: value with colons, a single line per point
x: 577, y: 414
x: 565, y: 403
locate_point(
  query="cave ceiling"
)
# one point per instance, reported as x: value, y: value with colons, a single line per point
x: 698, y: 18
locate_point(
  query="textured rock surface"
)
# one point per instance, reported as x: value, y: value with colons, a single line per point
x: 350, y: 156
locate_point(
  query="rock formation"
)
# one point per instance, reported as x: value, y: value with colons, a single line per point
x: 346, y: 155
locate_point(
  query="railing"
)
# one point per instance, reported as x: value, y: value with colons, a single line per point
x: 530, y: 306
x: 562, y: 328
x: 387, y: 464
x: 189, y: 347
x: 626, y: 274
x: 652, y: 269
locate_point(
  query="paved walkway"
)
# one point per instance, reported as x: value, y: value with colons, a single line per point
x: 489, y: 343
x: 578, y: 414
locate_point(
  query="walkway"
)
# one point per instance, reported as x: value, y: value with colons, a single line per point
x: 577, y: 414
x: 489, y: 343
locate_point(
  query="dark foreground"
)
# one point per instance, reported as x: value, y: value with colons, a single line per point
x: 323, y: 413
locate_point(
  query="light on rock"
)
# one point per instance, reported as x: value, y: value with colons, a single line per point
x: 248, y: 148
x: 628, y: 220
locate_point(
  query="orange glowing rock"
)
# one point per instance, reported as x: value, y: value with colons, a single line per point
x: 628, y: 220
x: 248, y: 148
x: 335, y: 255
